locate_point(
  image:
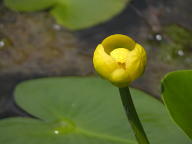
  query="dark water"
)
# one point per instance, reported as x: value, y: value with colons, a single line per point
x: 32, y: 45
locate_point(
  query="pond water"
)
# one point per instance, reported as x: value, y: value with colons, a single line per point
x: 33, y: 45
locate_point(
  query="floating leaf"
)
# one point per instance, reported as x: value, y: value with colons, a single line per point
x: 177, y: 94
x: 84, y: 111
x: 74, y: 14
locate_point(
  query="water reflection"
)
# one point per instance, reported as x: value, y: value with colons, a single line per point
x: 180, y: 52
x: 56, y: 27
x: 2, y: 43
x: 158, y: 37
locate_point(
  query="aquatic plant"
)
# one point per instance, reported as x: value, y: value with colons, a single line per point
x: 73, y: 14
x: 88, y: 110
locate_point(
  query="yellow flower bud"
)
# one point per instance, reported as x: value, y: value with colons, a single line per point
x: 119, y: 59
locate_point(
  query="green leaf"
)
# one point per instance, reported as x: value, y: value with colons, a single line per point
x: 74, y: 14
x: 85, y: 111
x: 177, y: 95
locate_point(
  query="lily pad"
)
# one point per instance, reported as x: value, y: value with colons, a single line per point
x: 177, y: 94
x: 74, y: 14
x: 85, y: 111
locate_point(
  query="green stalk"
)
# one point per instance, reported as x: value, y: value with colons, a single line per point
x: 132, y: 116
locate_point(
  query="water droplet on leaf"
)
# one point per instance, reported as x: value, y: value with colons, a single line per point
x: 56, y: 132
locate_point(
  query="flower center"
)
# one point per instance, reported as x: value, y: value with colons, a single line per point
x: 120, y: 55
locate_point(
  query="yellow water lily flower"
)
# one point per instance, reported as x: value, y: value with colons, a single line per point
x: 119, y: 59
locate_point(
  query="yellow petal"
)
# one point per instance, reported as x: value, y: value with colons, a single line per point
x: 120, y: 55
x: 136, y: 62
x: 103, y: 63
x: 117, y: 41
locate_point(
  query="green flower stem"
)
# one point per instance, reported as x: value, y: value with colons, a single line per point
x: 132, y: 116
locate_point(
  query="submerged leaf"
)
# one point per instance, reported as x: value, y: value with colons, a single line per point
x: 74, y: 14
